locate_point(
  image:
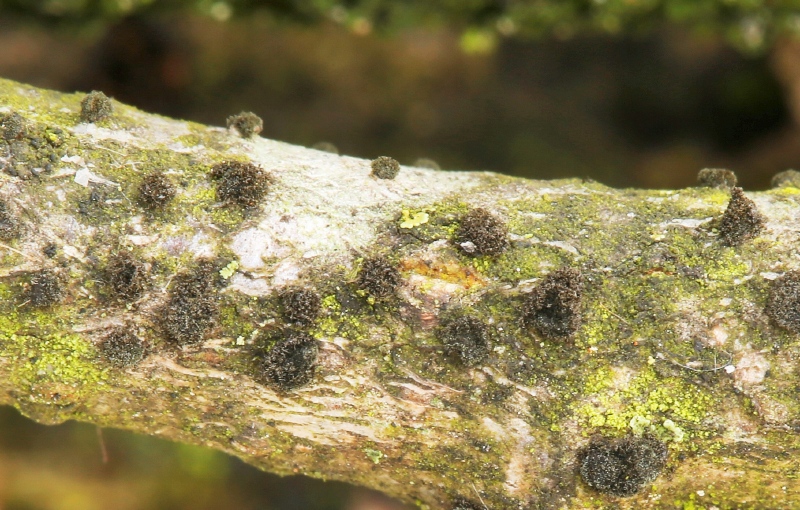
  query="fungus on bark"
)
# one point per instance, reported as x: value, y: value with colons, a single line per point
x: 716, y: 178
x: 378, y: 277
x: 553, y: 308
x: 783, y: 302
x: 786, y: 179
x: 481, y: 233
x: 156, y: 191
x: 300, y: 305
x: 12, y: 126
x: 466, y: 338
x: 243, y: 184
x: 126, y: 276
x: 246, y: 123
x: 385, y: 167
x: 192, y: 307
x: 291, y: 363
x: 741, y: 221
x: 96, y: 106
x: 46, y: 288
x: 122, y: 348
x: 10, y: 227
x: 622, y: 467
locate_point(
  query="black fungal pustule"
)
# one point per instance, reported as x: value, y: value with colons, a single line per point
x: 246, y: 123
x: 192, y: 307
x: 464, y: 504
x: 384, y: 167
x: 126, y: 276
x: 46, y: 288
x: 786, y: 179
x: 96, y: 106
x: 238, y: 183
x: 716, y: 178
x: 378, y: 277
x: 12, y: 126
x: 326, y: 147
x: 553, y: 308
x: 122, y: 348
x: 300, y: 305
x: 156, y: 191
x: 741, y: 221
x: 51, y: 250
x: 622, y: 467
x: 427, y: 163
x: 291, y: 363
x: 783, y: 302
x: 10, y: 227
x: 466, y: 339
x: 481, y: 233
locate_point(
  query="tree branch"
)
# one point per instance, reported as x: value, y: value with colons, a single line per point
x: 437, y: 357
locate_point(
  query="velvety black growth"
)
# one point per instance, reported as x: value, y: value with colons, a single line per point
x: 741, y: 221
x: 553, y: 308
x: 246, y: 123
x: 326, y: 147
x: 301, y: 306
x: 467, y: 339
x: 783, y: 303
x: 786, y: 179
x: 192, y: 306
x: 95, y: 107
x: 291, y: 362
x: 243, y: 184
x: 156, y: 191
x: 122, y: 348
x: 716, y: 178
x: 463, y: 504
x: 622, y: 467
x: 385, y: 167
x: 126, y: 276
x: 10, y: 227
x: 481, y: 233
x: 46, y: 288
x: 12, y: 126
x: 378, y: 277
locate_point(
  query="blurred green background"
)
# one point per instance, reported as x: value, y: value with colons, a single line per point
x: 639, y: 93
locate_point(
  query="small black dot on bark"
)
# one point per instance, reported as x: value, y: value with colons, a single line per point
x: 384, y: 167
x: 291, y: 362
x: 482, y: 233
x: 553, y: 308
x: 741, y: 220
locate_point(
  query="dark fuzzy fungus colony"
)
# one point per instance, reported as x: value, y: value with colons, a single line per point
x: 378, y: 277
x: 246, y: 123
x: 12, y: 126
x: 243, y: 184
x: 427, y: 163
x: 95, y: 107
x: 122, y: 348
x: 716, y: 178
x: 51, y: 250
x: 192, y: 307
x: 786, y: 179
x: 300, y: 306
x: 741, y: 221
x: 385, y: 167
x: 326, y: 147
x: 291, y: 363
x: 156, y: 191
x: 10, y: 228
x: 126, y: 276
x: 467, y: 339
x: 481, y: 233
x: 463, y: 504
x: 46, y: 288
x: 783, y: 303
x: 622, y: 467
x: 553, y: 308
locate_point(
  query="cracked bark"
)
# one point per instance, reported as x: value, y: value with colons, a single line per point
x: 674, y: 340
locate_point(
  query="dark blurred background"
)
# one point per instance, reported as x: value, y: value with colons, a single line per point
x: 640, y: 94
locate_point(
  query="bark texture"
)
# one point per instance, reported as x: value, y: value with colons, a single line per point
x: 667, y: 331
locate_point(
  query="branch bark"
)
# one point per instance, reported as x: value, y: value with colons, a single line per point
x: 674, y: 342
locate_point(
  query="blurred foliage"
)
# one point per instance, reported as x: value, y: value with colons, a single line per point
x: 751, y: 25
